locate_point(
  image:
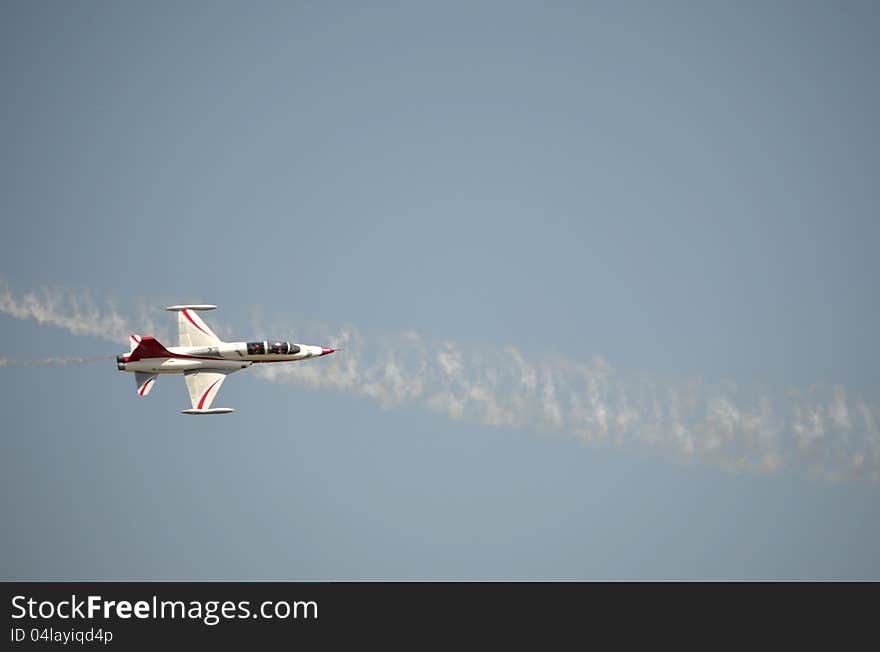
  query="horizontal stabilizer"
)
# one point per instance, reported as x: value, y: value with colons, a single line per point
x: 144, y: 382
x: 211, y: 411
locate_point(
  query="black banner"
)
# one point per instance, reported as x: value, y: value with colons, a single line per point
x: 129, y: 615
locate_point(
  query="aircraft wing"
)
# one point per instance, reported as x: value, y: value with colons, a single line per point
x: 192, y: 328
x: 203, y: 386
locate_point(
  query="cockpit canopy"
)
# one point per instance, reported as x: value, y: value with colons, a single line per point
x: 271, y: 348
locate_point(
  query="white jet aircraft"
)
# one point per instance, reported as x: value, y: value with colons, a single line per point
x: 202, y: 358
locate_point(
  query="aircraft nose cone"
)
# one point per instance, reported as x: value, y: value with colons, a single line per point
x: 327, y: 351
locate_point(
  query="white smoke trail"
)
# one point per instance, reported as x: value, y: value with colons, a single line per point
x: 830, y: 431
x: 48, y: 362
x: 77, y: 312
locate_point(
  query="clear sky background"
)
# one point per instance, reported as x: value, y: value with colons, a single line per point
x: 687, y: 189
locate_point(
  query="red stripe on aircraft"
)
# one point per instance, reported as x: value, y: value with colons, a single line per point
x: 186, y: 314
x: 205, y: 395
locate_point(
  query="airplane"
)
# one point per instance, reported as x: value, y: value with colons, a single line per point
x: 202, y: 358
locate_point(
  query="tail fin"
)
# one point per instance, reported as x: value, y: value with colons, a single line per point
x: 149, y: 347
x: 133, y: 341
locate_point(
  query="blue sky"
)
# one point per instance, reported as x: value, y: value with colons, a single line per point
x: 688, y: 192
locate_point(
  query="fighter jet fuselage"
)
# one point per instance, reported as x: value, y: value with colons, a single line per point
x: 226, y: 355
